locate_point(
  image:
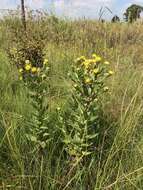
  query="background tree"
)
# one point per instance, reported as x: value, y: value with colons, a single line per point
x: 133, y: 13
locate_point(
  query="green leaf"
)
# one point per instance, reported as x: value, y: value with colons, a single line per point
x: 92, y: 136
x: 42, y: 144
x: 33, y: 138
x: 86, y: 153
x: 89, y: 90
x: 45, y: 134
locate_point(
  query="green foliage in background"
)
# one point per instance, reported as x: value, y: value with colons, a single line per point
x: 133, y: 13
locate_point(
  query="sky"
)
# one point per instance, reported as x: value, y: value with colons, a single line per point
x: 76, y: 8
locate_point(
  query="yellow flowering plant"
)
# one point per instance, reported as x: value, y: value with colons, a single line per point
x: 37, y: 87
x: 89, y: 83
x: 27, y: 53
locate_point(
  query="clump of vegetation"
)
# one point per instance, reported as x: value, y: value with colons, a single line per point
x: 26, y: 47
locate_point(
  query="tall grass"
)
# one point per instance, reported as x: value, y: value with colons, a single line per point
x: 117, y: 162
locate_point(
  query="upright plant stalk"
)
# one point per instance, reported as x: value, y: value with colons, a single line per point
x: 23, y: 14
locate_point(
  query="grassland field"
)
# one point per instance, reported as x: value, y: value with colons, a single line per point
x: 117, y: 160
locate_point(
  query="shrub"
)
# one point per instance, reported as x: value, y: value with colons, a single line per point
x: 27, y: 49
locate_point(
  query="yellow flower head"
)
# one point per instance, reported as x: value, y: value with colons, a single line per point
x: 96, y: 70
x: 111, y: 72
x: 33, y: 69
x: 20, y: 78
x: 58, y: 108
x: 86, y: 63
x: 27, y: 61
x: 20, y: 70
x: 98, y: 59
x: 106, y: 63
x: 106, y: 88
x: 94, y: 55
x: 45, y: 61
x: 27, y: 67
x: 92, y: 61
x: 82, y: 58
x: 87, y: 80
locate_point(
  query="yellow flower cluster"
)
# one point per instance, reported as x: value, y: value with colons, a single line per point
x: 95, y: 60
x: 92, y: 67
x: 30, y: 69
